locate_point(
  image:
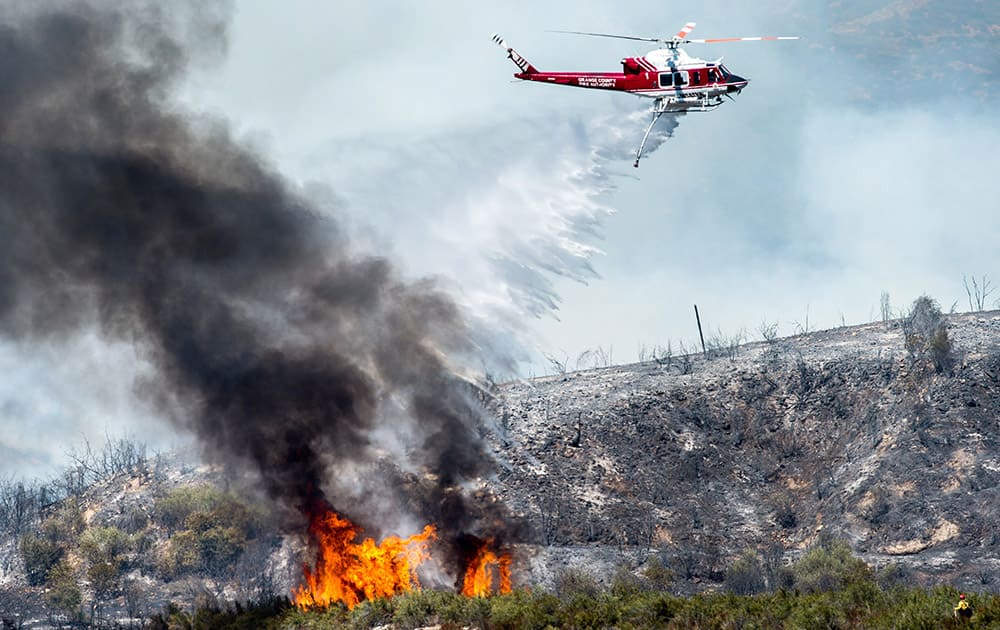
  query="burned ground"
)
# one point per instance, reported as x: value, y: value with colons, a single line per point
x: 838, y: 433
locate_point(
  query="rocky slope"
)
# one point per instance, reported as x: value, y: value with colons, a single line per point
x: 839, y: 432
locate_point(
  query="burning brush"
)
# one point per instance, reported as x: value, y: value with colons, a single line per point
x: 350, y: 572
x: 480, y: 569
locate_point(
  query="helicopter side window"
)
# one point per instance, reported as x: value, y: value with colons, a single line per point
x: 695, y: 78
x: 666, y: 79
x: 713, y: 76
x: 680, y: 78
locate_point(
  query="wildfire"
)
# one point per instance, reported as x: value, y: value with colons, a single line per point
x: 479, y: 572
x: 349, y: 572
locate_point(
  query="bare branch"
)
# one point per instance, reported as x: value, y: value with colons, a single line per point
x: 885, y: 306
x: 978, y: 293
x: 664, y: 356
x: 558, y: 367
x: 768, y: 331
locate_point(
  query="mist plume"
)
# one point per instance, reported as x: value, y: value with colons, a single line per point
x: 513, y: 224
x: 272, y: 339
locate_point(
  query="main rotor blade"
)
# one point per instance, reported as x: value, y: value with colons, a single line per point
x: 641, y: 39
x: 684, y: 32
x: 735, y: 39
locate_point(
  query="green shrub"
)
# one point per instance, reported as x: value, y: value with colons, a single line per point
x: 626, y: 584
x: 570, y: 582
x: 63, y: 593
x: 65, y: 524
x: 211, y: 530
x: 417, y: 608
x: 228, y: 513
x: 42, y: 551
x: 134, y: 521
x: 650, y: 610
x: 590, y: 611
x: 183, y: 555
x: 986, y: 609
x: 817, y: 610
x: 859, y: 597
x: 826, y: 567
x: 172, y: 510
x: 103, y: 577
x: 219, y: 548
x: 105, y: 544
x: 658, y: 574
x: 524, y: 609
x: 892, y: 576
x: 917, y: 609
x: 368, y: 614
x: 39, y: 555
x: 477, y: 611
x: 172, y: 618
x: 280, y: 613
x: 745, y: 576
x: 861, y: 604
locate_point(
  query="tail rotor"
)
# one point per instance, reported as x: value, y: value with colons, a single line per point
x: 513, y: 55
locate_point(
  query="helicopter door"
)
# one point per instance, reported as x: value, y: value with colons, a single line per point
x: 680, y: 79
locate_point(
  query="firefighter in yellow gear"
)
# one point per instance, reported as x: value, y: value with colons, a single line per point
x: 962, y: 610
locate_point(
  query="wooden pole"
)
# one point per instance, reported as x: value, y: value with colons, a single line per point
x: 700, y: 334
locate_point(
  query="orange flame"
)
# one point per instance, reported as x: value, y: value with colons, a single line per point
x: 478, y: 580
x: 349, y: 572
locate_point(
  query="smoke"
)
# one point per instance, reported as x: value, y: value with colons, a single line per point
x: 267, y: 333
x: 257, y: 321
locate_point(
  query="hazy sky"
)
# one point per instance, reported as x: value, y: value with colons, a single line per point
x: 839, y: 173
x: 830, y: 179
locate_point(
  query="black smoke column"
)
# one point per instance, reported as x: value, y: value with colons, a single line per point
x: 272, y: 340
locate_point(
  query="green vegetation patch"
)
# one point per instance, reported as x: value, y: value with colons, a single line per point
x: 211, y: 530
x: 830, y: 588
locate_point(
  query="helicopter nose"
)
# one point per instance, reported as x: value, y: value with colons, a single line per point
x: 736, y: 84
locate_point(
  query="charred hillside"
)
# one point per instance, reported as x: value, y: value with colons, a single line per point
x: 853, y: 433
x: 670, y: 469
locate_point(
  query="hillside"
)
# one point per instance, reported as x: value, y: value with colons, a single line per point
x: 895, y: 40
x: 838, y: 432
x: 685, y: 463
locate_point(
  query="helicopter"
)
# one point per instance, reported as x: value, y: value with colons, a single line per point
x: 676, y: 81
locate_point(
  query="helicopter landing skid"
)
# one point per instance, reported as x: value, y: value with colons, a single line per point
x: 657, y: 112
x: 665, y: 105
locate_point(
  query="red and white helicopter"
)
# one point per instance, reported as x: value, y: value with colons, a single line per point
x: 677, y: 81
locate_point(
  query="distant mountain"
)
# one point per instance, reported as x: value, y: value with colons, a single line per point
x: 925, y: 50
